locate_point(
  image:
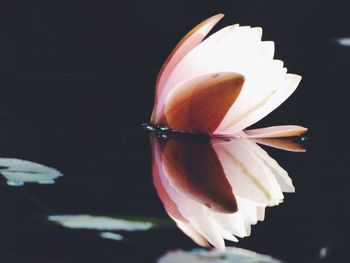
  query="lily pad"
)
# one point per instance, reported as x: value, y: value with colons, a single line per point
x: 105, y: 223
x: 17, y: 172
x: 231, y: 254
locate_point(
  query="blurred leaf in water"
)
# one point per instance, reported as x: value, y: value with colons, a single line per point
x: 17, y: 172
x: 112, y: 236
x: 107, y: 223
x: 234, y: 255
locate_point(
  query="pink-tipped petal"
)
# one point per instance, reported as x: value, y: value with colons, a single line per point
x: 199, y: 61
x: 276, y: 131
x: 161, y: 185
x: 186, y: 44
x: 169, y: 205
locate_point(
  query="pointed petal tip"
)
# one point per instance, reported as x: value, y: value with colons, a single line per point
x: 206, y: 25
x: 217, y: 16
x: 185, y: 45
x: 300, y: 130
x: 220, y: 247
x: 294, y: 77
x: 304, y: 128
x: 300, y: 150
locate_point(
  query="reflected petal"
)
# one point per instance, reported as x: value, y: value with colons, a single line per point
x: 203, y: 181
x: 194, y: 169
x: 244, y: 168
x: 169, y: 205
x: 192, y: 233
x: 281, y: 175
x: 283, y: 144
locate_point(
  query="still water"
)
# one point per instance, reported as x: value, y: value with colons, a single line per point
x: 82, y: 180
x: 109, y: 195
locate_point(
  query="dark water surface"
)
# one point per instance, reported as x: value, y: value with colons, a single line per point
x: 77, y: 82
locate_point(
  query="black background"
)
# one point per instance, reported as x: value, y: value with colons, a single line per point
x: 77, y: 80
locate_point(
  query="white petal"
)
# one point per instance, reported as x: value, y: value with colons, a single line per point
x: 227, y: 235
x: 245, y: 169
x: 235, y: 223
x: 261, y: 213
x: 281, y: 175
x: 267, y: 49
x: 266, y: 105
x: 261, y: 84
x: 192, y: 39
x: 192, y: 233
x: 189, y: 67
x: 208, y: 228
x: 231, y: 49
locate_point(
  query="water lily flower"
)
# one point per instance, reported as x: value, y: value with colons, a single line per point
x: 223, y: 84
x: 217, y: 189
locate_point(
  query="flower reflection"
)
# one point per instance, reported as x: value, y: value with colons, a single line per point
x: 216, y: 189
x: 223, y: 84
